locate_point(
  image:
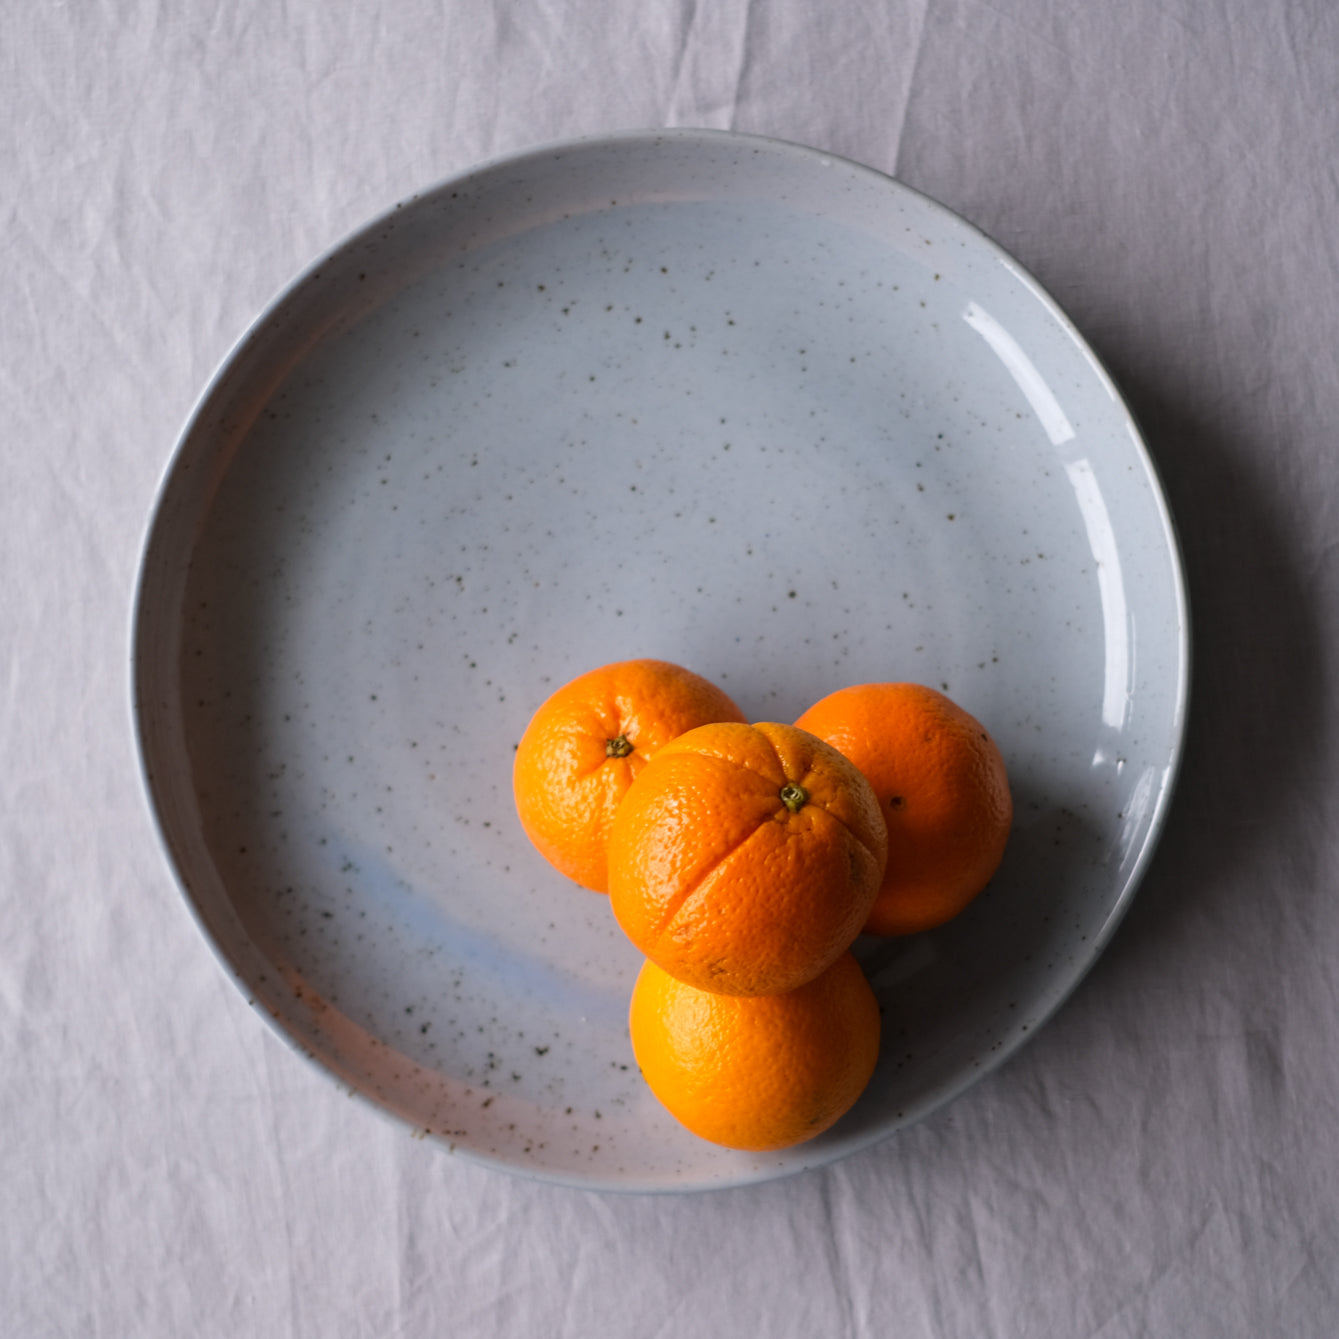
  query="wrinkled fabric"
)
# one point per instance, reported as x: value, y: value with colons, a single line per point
x: 1162, y: 1159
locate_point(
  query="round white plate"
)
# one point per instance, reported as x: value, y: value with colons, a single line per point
x: 692, y: 395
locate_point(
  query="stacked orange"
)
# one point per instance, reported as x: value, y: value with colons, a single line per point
x: 744, y: 860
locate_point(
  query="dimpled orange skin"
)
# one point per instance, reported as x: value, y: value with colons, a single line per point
x: 942, y: 788
x: 584, y: 746
x: 757, y: 1073
x: 714, y: 877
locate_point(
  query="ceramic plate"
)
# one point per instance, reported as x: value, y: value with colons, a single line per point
x: 714, y: 399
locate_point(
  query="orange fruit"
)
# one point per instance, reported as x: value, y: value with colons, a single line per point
x: 745, y: 858
x: 756, y: 1073
x: 942, y: 788
x: 584, y: 746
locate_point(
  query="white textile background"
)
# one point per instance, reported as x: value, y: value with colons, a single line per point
x: 1162, y: 1159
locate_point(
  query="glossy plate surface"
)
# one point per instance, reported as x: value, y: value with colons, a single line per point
x: 698, y: 396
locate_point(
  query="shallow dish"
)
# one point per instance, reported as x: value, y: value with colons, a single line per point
x: 694, y: 395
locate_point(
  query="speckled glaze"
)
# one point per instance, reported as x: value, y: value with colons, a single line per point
x: 693, y: 395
